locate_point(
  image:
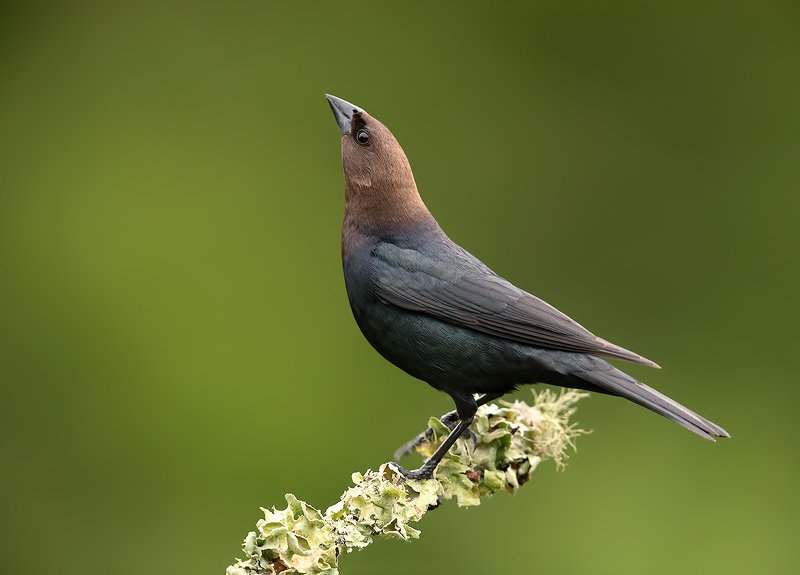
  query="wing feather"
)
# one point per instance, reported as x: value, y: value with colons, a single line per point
x: 466, y: 293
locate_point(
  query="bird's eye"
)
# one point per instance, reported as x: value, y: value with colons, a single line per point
x: 362, y: 137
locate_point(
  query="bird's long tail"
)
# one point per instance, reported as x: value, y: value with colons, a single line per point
x: 608, y: 379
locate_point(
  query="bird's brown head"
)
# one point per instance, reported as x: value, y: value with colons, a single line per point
x: 379, y: 186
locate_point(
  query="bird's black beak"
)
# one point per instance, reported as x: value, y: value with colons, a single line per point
x: 343, y: 112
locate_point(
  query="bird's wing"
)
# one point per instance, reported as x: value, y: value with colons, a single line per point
x: 464, y: 292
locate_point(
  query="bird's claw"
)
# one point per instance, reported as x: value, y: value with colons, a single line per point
x: 449, y: 420
x: 423, y: 473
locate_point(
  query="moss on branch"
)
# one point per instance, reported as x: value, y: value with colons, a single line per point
x: 510, y: 440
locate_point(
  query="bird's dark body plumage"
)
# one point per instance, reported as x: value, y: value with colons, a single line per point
x: 451, y: 358
x: 440, y: 314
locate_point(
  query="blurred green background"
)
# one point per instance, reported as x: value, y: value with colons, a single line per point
x: 177, y: 348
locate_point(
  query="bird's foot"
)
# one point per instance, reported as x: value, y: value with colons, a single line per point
x: 449, y: 419
x: 423, y: 473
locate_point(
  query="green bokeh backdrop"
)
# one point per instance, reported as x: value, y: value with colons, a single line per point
x: 176, y: 345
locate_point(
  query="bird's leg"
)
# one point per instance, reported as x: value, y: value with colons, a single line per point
x: 466, y: 408
x: 449, y: 419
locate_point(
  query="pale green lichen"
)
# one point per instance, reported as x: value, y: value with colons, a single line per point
x: 510, y: 440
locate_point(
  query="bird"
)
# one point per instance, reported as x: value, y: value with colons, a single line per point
x: 441, y: 315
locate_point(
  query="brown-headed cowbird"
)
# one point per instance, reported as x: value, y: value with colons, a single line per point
x: 441, y: 315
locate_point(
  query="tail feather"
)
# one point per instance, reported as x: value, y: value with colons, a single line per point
x: 611, y: 380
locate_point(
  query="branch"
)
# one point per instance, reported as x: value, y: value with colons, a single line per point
x: 510, y: 440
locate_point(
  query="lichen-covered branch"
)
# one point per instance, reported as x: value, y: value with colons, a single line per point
x: 510, y: 440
